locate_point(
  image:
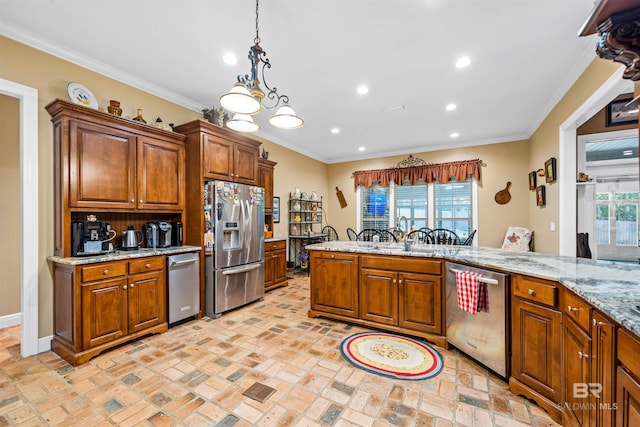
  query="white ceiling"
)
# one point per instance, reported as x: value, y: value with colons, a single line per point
x: 525, y: 55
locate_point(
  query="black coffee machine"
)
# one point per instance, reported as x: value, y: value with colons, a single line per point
x: 158, y: 234
x: 90, y: 238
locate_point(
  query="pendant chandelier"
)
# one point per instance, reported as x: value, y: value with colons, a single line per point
x: 247, y: 98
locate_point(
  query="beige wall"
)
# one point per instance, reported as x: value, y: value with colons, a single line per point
x: 502, y: 162
x: 545, y: 143
x: 10, y: 205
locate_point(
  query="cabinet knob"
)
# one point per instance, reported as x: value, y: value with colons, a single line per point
x: 596, y: 323
x: 133, y: 200
x: 332, y: 256
x: 572, y: 309
x: 105, y: 272
x: 400, y: 281
x: 148, y: 265
x: 395, y: 281
x: 531, y: 292
x: 131, y: 286
x: 140, y: 201
x: 582, y: 355
x: 124, y: 287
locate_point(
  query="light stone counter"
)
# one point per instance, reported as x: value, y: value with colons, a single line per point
x: 120, y: 255
x: 612, y: 287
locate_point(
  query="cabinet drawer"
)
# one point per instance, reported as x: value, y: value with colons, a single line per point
x: 412, y: 264
x: 577, y: 309
x: 274, y: 246
x: 538, y: 290
x: 628, y: 351
x: 146, y: 264
x: 102, y: 271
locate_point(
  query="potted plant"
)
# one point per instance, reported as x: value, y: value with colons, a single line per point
x: 303, y: 257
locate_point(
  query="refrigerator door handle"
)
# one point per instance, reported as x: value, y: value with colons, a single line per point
x: 242, y: 269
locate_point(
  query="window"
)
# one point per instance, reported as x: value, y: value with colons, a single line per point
x: 451, y: 205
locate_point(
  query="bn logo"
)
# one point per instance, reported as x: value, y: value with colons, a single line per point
x: 582, y: 390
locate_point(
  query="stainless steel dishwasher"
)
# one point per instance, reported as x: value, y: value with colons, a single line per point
x: 183, y: 286
x: 484, y: 335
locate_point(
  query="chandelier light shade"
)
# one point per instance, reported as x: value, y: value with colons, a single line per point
x: 246, y: 97
x: 243, y: 123
x: 239, y: 100
x: 285, y: 118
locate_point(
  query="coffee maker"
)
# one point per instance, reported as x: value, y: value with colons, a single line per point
x: 164, y: 234
x: 90, y: 238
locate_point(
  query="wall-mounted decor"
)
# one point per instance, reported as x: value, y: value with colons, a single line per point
x: 550, y: 169
x: 276, y: 209
x: 532, y: 180
x: 541, y: 199
x: 622, y: 112
x: 503, y: 196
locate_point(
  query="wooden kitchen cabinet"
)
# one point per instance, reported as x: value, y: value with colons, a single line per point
x: 102, y: 305
x: 627, y: 410
x: 603, y: 369
x: 576, y: 350
x: 228, y: 159
x: 334, y: 284
x: 109, y: 165
x: 536, y: 328
x: 275, y: 264
x: 401, y: 292
x: 265, y: 180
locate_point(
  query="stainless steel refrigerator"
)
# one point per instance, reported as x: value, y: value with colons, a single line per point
x: 234, y: 221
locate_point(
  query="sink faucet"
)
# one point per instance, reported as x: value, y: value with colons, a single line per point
x: 407, y: 242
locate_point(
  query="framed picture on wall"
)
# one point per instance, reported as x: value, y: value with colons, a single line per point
x: 550, y: 170
x: 276, y: 209
x: 622, y: 112
x: 541, y: 199
x: 532, y: 180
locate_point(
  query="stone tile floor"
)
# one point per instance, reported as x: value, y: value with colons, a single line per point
x: 195, y: 374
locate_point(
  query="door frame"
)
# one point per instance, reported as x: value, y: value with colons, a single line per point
x: 29, y: 254
x: 568, y: 145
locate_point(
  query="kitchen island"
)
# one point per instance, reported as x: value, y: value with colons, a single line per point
x: 571, y: 321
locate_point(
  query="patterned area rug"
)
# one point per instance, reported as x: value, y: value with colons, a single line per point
x: 392, y: 356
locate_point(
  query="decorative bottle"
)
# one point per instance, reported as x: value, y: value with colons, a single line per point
x: 139, y: 117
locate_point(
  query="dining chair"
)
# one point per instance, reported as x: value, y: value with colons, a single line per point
x: 330, y: 233
x: 420, y: 236
x: 443, y: 236
x: 351, y: 234
x: 367, y: 234
x: 469, y: 240
x: 387, y: 236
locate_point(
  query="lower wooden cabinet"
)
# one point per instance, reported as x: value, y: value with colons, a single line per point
x: 576, y: 350
x: 275, y: 264
x: 334, y: 284
x: 99, y: 306
x: 627, y: 411
x: 603, y: 370
x: 536, y: 363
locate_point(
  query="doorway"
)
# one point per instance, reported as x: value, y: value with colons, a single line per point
x: 28, y: 212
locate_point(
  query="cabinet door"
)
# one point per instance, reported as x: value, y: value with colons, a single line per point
x: 420, y: 302
x: 265, y: 181
x: 334, y: 283
x: 245, y: 164
x: 269, y: 269
x: 576, y: 350
x: 603, y: 370
x: 536, y: 348
x: 379, y: 296
x: 217, y: 159
x: 160, y: 175
x: 146, y: 300
x: 280, y: 266
x: 627, y: 399
x: 102, y: 171
x: 104, y: 312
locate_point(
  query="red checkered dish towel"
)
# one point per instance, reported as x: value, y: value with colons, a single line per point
x: 473, y: 296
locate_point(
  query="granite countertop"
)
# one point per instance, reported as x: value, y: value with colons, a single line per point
x: 119, y: 255
x: 612, y: 287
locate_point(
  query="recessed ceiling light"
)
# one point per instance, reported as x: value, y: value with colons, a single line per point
x: 362, y: 89
x: 454, y: 134
x: 360, y: 148
x: 230, y: 59
x: 335, y: 130
x: 451, y: 107
x: 627, y: 152
x: 463, y: 61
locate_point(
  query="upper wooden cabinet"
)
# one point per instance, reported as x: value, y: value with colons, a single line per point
x: 265, y: 180
x: 105, y: 163
x: 224, y: 154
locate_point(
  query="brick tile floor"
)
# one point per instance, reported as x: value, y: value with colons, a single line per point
x: 195, y: 375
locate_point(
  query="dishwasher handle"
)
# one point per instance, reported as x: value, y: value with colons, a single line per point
x: 183, y: 262
x: 487, y: 280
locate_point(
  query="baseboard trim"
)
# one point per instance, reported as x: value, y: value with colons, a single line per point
x: 44, y: 344
x: 10, y: 320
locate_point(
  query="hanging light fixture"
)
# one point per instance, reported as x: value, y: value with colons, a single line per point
x: 246, y: 97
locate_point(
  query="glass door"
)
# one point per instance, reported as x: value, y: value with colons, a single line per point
x: 617, y: 226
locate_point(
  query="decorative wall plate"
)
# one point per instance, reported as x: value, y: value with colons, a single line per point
x: 81, y: 95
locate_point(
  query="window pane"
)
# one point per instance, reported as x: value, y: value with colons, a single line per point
x: 602, y: 223
x: 375, y: 207
x: 411, y: 202
x: 453, y: 208
x: 627, y: 224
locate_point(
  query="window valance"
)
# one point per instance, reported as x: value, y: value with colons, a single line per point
x: 442, y: 172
